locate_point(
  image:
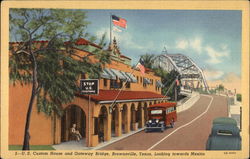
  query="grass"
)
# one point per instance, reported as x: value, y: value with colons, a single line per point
x: 32, y: 147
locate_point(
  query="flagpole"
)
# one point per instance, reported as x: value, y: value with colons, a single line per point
x: 110, y: 29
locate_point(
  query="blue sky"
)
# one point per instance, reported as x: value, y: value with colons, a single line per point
x: 212, y: 38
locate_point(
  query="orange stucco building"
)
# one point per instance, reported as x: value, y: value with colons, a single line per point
x: 95, y: 116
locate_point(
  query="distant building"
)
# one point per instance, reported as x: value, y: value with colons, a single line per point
x: 94, y: 120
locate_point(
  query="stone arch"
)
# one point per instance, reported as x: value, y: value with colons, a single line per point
x: 115, y: 121
x: 73, y: 114
x: 103, y: 123
x: 125, y: 123
x: 150, y: 103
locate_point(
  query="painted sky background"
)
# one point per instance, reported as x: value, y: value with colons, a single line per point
x: 212, y: 38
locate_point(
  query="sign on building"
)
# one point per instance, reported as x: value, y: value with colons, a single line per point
x: 89, y: 86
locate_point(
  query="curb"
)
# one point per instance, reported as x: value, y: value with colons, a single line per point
x: 118, y: 139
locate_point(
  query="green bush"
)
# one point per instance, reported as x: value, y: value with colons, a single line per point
x: 32, y: 147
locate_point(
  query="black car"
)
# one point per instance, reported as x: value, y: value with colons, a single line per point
x: 225, y: 135
x: 155, y: 124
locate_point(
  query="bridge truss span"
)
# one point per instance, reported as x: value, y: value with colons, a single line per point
x: 191, y: 74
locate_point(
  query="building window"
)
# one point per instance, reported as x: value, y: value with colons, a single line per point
x: 105, y: 82
x: 157, y: 88
x: 115, y: 84
x: 137, y: 79
x: 112, y: 83
x: 144, y: 85
x: 141, y: 79
x: 121, y: 84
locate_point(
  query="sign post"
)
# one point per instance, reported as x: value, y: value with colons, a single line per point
x: 88, y: 87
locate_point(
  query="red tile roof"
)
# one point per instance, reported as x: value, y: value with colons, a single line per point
x: 166, y: 105
x: 148, y: 70
x: 82, y: 41
x: 109, y: 95
x: 20, y: 42
x: 125, y: 57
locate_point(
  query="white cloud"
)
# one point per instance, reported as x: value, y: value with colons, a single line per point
x: 123, y: 38
x: 102, y: 31
x: 215, y: 55
x: 196, y: 44
x: 128, y: 41
x: 192, y: 43
x: 182, y: 44
x: 213, y: 74
x: 224, y: 46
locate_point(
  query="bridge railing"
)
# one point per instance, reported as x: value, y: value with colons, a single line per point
x: 189, y: 103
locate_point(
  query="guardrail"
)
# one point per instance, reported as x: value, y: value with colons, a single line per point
x: 189, y: 103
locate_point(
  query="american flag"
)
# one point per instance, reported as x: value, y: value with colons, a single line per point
x: 119, y: 21
x: 140, y: 65
x: 177, y: 82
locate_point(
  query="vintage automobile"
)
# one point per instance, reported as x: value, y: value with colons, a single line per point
x: 160, y: 116
x: 225, y: 135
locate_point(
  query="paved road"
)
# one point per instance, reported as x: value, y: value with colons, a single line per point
x: 190, y: 132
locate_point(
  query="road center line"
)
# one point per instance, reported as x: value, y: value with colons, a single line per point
x: 185, y: 124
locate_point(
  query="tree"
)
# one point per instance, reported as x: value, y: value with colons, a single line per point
x: 51, y: 66
x: 169, y: 81
x: 167, y: 78
x: 148, y: 60
x: 221, y: 87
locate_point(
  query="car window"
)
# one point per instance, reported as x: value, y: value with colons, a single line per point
x: 224, y: 132
x: 156, y: 111
x: 169, y: 110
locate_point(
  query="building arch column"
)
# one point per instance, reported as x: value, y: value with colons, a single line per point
x: 116, y: 121
x: 140, y: 115
x: 133, y: 125
x: 104, y: 124
x: 125, y: 118
x: 145, y: 112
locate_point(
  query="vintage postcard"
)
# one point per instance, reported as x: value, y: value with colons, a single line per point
x: 125, y: 79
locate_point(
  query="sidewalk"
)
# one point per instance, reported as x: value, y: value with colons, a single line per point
x: 234, y: 112
x: 75, y: 145
x: 115, y: 139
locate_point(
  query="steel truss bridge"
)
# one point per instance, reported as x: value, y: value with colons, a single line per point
x: 191, y: 75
